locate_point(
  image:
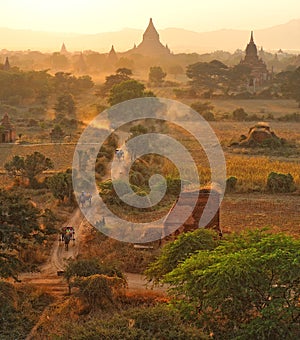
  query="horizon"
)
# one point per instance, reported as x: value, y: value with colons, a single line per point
x: 145, y: 26
x: 86, y: 17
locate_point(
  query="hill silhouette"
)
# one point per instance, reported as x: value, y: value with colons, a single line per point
x: 285, y: 36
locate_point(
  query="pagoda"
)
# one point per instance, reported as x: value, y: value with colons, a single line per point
x: 151, y: 45
x: 112, y: 56
x: 7, y: 130
x: 259, y: 72
x: 6, y: 65
x: 63, y: 49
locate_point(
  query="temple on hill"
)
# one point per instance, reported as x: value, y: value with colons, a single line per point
x: 151, y: 45
x: 7, y: 130
x: 259, y: 72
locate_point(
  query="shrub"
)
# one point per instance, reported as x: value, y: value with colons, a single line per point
x: 159, y: 322
x: 239, y: 114
x: 79, y: 269
x: 293, y: 117
x: 231, y: 184
x: 279, y: 183
x: 185, y: 93
x: 209, y: 116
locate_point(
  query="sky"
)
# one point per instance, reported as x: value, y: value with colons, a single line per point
x: 96, y: 16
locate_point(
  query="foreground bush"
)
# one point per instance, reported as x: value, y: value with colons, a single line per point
x: 20, y: 309
x: 159, y: 322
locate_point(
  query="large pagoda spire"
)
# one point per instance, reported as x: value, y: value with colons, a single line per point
x: 151, y: 32
x: 151, y: 46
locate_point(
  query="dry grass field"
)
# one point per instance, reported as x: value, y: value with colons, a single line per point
x: 278, y: 213
x: 251, y: 205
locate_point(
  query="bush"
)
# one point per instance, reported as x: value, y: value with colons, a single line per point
x: 159, y: 322
x: 279, y: 183
x: 87, y: 268
x: 185, y: 93
x: 209, y: 116
x: 231, y: 184
x: 293, y: 117
x: 239, y: 114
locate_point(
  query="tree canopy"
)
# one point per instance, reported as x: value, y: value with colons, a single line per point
x: 156, y: 75
x: 245, y: 288
x: 127, y: 90
x: 30, y: 167
x: 19, y: 229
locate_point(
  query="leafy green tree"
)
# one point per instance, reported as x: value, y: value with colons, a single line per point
x: 179, y: 250
x: 19, y: 229
x: 126, y: 90
x: 156, y: 75
x: 246, y: 288
x: 121, y: 75
x: 30, y: 167
x: 61, y: 186
x: 65, y: 105
x: 203, y: 74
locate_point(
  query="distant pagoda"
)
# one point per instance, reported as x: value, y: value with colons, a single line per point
x: 151, y: 45
x: 6, y: 65
x: 63, y: 49
x: 112, y: 56
x: 7, y: 130
x: 259, y: 72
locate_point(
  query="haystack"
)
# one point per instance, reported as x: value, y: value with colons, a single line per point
x: 260, y: 135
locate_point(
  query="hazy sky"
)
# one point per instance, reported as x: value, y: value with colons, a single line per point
x: 94, y: 16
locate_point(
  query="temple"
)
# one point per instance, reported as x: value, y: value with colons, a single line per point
x: 6, y: 65
x: 259, y: 72
x: 63, y: 49
x: 151, y: 45
x: 112, y: 56
x: 7, y: 130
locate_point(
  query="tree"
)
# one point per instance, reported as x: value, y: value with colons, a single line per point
x: 65, y: 105
x: 30, y: 167
x: 124, y: 71
x: 85, y: 268
x: 121, y: 75
x: 19, y: 229
x: 126, y: 90
x: 246, y: 288
x: 175, y: 70
x: 179, y: 250
x: 59, y: 61
x: 61, y: 186
x: 57, y: 133
x: 291, y: 84
x: 156, y: 75
x: 212, y: 74
x: 15, y: 168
